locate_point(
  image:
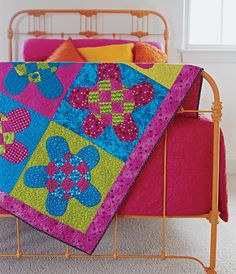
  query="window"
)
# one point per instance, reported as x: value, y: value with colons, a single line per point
x: 210, y: 31
x: 210, y: 24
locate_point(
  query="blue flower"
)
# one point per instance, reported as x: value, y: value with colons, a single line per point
x: 41, y: 74
x: 67, y: 176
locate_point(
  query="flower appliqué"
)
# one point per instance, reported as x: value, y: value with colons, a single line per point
x: 111, y: 103
x: 67, y: 176
x: 11, y: 124
x: 41, y: 74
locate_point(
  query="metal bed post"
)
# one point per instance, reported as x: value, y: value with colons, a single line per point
x: 163, y: 252
x: 214, y: 214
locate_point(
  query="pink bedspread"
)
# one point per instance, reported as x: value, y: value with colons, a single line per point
x: 189, y: 174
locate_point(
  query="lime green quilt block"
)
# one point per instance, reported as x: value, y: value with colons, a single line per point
x: 100, y: 177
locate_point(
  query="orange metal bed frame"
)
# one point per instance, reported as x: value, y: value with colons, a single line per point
x: 88, y: 27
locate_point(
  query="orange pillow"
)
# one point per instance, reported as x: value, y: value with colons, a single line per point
x: 66, y: 52
x: 110, y: 53
x: 146, y: 53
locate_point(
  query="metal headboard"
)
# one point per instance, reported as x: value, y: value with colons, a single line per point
x: 143, y: 25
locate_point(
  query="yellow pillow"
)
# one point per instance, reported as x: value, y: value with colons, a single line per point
x: 111, y: 53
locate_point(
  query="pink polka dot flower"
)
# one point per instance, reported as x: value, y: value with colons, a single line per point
x: 111, y: 103
x: 11, y: 124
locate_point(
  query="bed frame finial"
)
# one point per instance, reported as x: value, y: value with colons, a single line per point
x: 216, y: 111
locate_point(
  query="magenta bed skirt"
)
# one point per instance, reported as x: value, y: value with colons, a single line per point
x: 189, y: 174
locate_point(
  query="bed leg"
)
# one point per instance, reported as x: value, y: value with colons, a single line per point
x: 18, y: 253
x: 214, y: 220
x: 163, y: 252
x: 115, y: 254
x: 67, y: 253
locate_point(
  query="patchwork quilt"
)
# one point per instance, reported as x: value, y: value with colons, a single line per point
x: 75, y: 136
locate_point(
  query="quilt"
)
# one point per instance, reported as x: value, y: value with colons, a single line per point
x: 75, y: 136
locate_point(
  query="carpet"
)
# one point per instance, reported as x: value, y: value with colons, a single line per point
x: 184, y: 237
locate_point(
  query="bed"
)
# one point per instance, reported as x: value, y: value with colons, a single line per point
x: 185, y: 176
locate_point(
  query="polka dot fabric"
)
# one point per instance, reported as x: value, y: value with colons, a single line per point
x: 11, y: 124
x: 111, y: 103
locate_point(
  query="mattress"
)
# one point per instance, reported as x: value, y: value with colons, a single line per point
x: 189, y: 174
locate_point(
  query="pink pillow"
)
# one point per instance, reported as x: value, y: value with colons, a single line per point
x: 38, y: 49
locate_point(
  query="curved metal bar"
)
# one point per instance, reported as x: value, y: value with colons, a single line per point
x: 187, y: 258
x: 213, y: 85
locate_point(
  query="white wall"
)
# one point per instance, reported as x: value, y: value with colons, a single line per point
x: 224, y: 74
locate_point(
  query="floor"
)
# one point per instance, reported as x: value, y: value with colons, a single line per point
x: 184, y: 237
